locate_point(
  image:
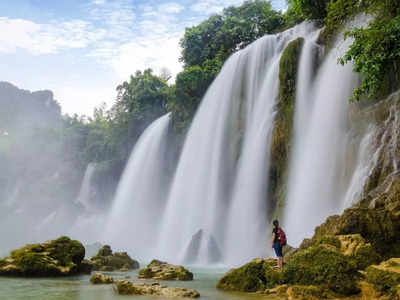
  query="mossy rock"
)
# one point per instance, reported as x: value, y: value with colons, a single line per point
x: 385, y: 277
x: 323, y: 266
x: 282, y: 132
x: 163, y: 271
x: 60, y: 257
x: 99, y: 278
x: 125, y: 287
x: 107, y: 261
x: 307, y: 292
x: 257, y: 275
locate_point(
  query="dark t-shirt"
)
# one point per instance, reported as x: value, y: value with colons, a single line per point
x: 276, y: 237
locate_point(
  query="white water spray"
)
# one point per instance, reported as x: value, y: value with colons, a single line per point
x: 139, y: 202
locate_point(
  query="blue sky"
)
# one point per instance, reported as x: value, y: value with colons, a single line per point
x: 81, y: 50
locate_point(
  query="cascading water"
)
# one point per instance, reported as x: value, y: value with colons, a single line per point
x: 84, y: 197
x: 245, y: 89
x: 217, y: 204
x: 134, y: 221
x: 314, y: 187
x: 247, y: 231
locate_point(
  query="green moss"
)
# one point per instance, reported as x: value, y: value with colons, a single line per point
x: 329, y: 240
x: 254, y: 276
x: 58, y: 257
x: 106, y: 260
x: 385, y: 277
x: 282, y: 132
x: 163, y: 271
x: 320, y: 265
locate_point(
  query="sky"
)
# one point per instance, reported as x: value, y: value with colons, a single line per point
x: 82, y: 49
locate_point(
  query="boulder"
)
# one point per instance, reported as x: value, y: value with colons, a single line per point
x: 163, y: 271
x: 201, y: 242
x: 257, y: 275
x: 60, y: 257
x: 125, y: 287
x: 99, y: 278
x: 106, y: 260
x: 323, y: 266
x: 385, y: 277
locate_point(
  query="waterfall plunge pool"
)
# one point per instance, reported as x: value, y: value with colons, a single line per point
x: 79, y: 287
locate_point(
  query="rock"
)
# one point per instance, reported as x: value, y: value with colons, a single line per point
x: 368, y: 292
x: 200, y: 242
x: 385, y: 277
x: 323, y: 266
x: 280, y: 290
x: 258, y: 275
x: 106, y: 260
x: 163, y: 271
x: 301, y: 292
x: 99, y: 278
x: 60, y: 257
x: 125, y: 287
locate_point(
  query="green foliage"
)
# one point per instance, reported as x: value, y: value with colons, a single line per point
x: 223, y: 34
x: 308, y: 9
x: 205, y: 48
x: 375, y: 54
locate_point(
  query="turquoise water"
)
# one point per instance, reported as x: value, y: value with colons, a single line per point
x: 79, y: 288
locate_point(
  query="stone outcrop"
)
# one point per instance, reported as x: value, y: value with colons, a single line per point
x: 385, y: 277
x: 60, y: 257
x: 125, y: 287
x: 106, y: 260
x: 163, y: 271
x: 323, y: 266
x: 99, y: 278
x: 202, y: 242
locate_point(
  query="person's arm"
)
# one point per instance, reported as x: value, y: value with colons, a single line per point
x: 273, y: 239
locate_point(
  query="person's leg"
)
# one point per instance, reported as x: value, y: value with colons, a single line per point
x: 280, y: 262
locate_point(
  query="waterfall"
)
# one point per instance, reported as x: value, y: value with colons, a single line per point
x: 321, y: 126
x: 211, y: 191
x: 134, y: 220
x: 84, y: 197
x: 215, y: 208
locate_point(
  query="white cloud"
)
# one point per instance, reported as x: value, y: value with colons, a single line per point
x: 171, y: 8
x: 98, y: 2
x: 49, y: 38
x: 213, y: 6
x: 155, y: 53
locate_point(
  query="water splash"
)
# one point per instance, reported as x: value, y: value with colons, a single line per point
x: 139, y: 202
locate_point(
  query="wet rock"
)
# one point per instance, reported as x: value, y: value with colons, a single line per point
x: 202, y: 242
x: 164, y: 271
x: 385, y: 277
x: 125, y: 287
x: 106, y: 260
x: 60, y: 257
x: 99, y: 278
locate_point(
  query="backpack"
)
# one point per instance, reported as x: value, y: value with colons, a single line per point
x: 282, y: 237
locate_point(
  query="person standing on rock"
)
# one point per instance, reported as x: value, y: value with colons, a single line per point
x: 278, y: 241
